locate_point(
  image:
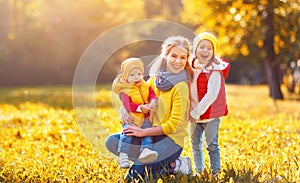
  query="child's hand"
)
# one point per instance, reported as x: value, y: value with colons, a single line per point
x: 153, y: 105
x: 145, y: 109
x: 192, y: 120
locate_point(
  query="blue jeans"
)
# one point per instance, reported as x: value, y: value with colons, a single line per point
x: 211, y: 134
x: 168, y: 151
x: 124, y: 139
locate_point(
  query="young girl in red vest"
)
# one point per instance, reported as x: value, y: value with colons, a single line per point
x: 208, y: 100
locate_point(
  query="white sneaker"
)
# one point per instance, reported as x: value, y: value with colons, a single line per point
x: 147, y: 156
x: 123, y: 160
x: 184, y: 165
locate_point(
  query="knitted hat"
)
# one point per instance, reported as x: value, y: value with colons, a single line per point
x: 130, y: 63
x: 205, y: 36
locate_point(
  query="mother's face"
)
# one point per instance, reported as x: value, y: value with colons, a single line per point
x: 176, y: 59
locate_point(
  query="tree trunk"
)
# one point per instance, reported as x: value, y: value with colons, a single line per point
x: 271, y: 69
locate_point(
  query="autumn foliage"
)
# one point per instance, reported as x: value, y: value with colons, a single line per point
x: 43, y: 140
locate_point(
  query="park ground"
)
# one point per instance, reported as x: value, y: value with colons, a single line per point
x: 45, y: 139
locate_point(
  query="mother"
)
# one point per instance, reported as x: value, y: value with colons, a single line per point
x: 169, y: 73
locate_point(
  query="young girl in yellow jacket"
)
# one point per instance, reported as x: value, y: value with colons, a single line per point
x: 138, y: 99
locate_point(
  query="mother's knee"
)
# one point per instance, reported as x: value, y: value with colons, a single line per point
x: 111, y: 143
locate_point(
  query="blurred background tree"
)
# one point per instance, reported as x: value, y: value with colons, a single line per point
x: 261, y: 33
x: 42, y: 41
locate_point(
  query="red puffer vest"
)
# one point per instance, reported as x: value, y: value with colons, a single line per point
x: 219, y: 107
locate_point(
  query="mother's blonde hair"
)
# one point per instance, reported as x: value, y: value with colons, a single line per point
x: 159, y: 63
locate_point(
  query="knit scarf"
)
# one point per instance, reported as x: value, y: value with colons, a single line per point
x: 165, y: 80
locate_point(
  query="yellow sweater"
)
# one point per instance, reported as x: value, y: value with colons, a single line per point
x: 172, y: 111
x: 138, y: 94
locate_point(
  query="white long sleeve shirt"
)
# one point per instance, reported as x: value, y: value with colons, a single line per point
x: 213, y: 88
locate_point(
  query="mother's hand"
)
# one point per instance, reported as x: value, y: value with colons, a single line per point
x: 133, y: 130
x: 126, y: 118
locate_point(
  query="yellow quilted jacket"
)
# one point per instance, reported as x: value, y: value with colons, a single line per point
x: 138, y: 94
